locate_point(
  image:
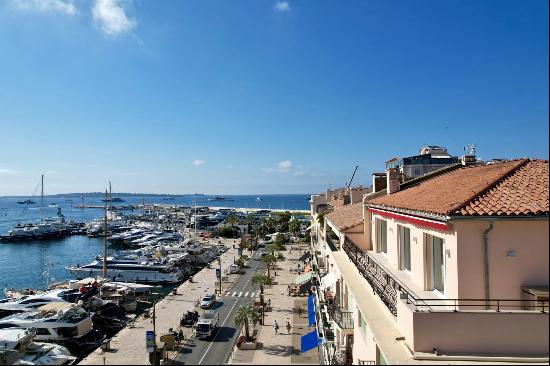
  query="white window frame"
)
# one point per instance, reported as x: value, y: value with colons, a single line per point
x: 400, y: 249
x: 430, y: 265
x: 378, y: 230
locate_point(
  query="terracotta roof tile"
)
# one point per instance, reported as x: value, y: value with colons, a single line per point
x: 346, y: 216
x: 518, y: 187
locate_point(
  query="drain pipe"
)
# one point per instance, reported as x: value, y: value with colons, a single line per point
x: 486, y: 264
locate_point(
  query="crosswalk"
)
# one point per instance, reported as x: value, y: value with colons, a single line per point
x: 239, y: 294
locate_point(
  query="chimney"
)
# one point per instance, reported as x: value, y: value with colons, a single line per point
x: 392, y: 180
x: 378, y: 182
x: 468, y: 160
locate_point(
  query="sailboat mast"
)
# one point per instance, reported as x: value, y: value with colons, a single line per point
x: 105, y: 239
x: 42, y: 198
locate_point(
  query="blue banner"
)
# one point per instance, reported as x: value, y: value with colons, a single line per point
x: 310, y: 310
x: 309, y: 341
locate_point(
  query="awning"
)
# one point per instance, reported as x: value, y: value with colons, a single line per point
x: 309, y: 341
x: 303, y: 278
x: 310, y: 310
x: 304, y: 256
x: 328, y: 280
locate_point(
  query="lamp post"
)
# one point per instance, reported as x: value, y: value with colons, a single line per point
x: 220, y: 278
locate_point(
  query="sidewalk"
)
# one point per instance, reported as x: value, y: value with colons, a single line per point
x: 281, y: 348
x: 128, y: 346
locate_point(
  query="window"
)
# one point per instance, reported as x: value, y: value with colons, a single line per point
x: 381, y: 234
x: 404, y: 248
x: 436, y: 248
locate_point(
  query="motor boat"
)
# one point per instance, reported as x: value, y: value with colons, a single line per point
x: 144, y: 272
x: 64, y: 323
x: 32, y: 302
x: 19, y: 348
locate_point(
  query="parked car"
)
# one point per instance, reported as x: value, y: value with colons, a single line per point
x: 233, y: 268
x: 207, y: 301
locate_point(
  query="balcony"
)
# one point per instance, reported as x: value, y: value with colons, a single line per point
x: 344, y: 319
x: 389, y: 288
x: 332, y: 243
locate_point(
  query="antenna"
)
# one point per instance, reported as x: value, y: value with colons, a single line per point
x: 471, y: 149
x: 352, y: 176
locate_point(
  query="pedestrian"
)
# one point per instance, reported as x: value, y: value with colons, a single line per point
x: 275, y: 326
x: 299, y: 311
x: 288, y: 327
x: 268, y: 302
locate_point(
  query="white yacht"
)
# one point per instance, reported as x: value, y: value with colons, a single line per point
x: 129, y: 271
x: 18, y: 348
x: 32, y: 302
x: 60, y: 322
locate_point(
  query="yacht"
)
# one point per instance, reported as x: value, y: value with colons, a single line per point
x: 45, y: 230
x: 17, y: 347
x: 32, y: 302
x: 26, y: 202
x: 62, y: 322
x: 130, y: 271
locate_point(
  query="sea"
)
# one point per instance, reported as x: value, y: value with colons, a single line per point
x: 36, y: 264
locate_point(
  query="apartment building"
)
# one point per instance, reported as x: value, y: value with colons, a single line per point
x: 449, y: 268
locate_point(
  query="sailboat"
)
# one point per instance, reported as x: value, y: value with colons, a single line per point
x: 46, y: 229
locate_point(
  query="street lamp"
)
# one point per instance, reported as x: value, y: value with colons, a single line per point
x: 220, y: 277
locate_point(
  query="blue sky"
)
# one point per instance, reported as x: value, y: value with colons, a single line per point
x: 261, y: 96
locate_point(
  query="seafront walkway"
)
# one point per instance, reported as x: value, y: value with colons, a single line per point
x: 282, y: 348
x: 128, y: 346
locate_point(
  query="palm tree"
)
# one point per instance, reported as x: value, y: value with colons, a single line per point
x: 246, y: 315
x: 294, y: 227
x: 232, y: 220
x: 270, y: 260
x: 262, y: 280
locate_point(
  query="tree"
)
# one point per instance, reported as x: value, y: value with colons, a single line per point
x: 280, y: 239
x: 321, y: 219
x: 262, y: 280
x: 294, y: 227
x: 246, y: 315
x: 232, y: 220
x: 270, y: 260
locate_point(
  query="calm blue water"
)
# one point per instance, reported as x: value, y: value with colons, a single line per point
x: 22, y: 264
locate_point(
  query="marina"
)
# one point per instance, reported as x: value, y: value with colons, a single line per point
x: 97, y: 273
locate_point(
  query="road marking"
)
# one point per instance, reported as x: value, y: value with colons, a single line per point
x: 219, y: 328
x: 252, y: 294
x: 240, y: 294
x: 227, y: 293
x: 234, y: 293
x: 246, y: 295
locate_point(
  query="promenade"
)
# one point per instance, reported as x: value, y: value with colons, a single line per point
x: 282, y: 348
x: 128, y: 346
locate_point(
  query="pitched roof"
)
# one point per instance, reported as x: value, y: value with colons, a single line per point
x: 346, y: 216
x: 518, y: 187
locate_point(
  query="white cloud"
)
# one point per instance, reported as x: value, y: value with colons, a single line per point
x: 197, y: 162
x: 111, y: 15
x: 282, y: 6
x: 281, y: 167
x: 62, y: 6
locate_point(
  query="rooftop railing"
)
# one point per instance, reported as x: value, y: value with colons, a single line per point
x: 388, y: 288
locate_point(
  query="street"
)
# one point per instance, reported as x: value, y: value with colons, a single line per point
x: 215, y: 350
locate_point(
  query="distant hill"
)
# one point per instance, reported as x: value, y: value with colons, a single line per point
x: 117, y: 194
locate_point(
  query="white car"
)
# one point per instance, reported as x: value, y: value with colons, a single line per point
x: 207, y: 301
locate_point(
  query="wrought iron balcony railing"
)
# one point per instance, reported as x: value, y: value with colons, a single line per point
x: 331, y: 243
x: 344, y: 319
x: 383, y: 284
x: 387, y: 287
